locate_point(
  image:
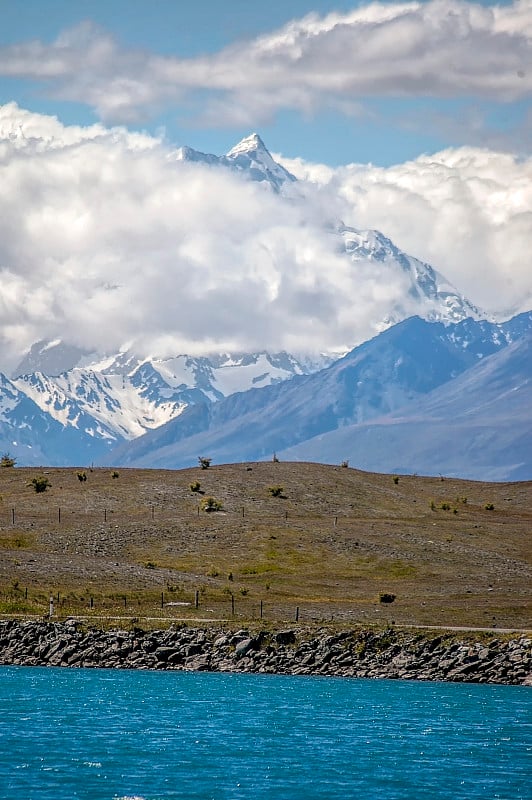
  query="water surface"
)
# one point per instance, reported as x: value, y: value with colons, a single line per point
x: 107, y: 734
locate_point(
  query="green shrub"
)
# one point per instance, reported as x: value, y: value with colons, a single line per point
x: 114, y: 474
x: 276, y: 491
x: 489, y: 507
x: 209, y: 504
x: 82, y: 477
x: 445, y: 506
x: 204, y: 463
x: 7, y: 461
x: 40, y: 484
x: 432, y: 505
x: 396, y: 479
x: 275, y: 459
x: 345, y: 464
x: 195, y: 486
x: 386, y: 597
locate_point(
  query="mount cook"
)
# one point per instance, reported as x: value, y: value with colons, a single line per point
x: 66, y: 406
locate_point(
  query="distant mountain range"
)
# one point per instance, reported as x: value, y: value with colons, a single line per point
x: 325, y: 416
x: 64, y: 405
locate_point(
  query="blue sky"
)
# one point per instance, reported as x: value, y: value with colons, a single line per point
x: 377, y: 119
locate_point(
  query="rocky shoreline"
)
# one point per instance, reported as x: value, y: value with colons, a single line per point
x: 389, y: 653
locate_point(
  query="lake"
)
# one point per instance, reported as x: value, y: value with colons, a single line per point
x: 108, y: 734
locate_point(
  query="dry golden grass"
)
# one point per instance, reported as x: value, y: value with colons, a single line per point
x: 330, y: 545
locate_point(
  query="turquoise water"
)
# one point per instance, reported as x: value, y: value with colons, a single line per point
x: 104, y: 734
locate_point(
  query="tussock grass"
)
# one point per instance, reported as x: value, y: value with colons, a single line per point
x: 338, y: 539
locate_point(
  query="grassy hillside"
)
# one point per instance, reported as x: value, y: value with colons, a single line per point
x: 137, y: 545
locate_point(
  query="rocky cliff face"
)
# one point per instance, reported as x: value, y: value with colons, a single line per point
x: 389, y: 653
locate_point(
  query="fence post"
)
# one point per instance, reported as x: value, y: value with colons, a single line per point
x: 13, y: 515
x: 261, y: 609
x: 233, y: 605
x: 162, y: 599
x: 196, y: 599
x: 297, y: 613
x: 59, y: 514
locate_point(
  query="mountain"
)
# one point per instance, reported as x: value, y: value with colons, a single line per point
x: 104, y: 402
x: 120, y: 397
x: 477, y: 426
x: 33, y: 437
x: 50, y: 357
x: 394, y: 369
x: 428, y: 293
x: 250, y: 157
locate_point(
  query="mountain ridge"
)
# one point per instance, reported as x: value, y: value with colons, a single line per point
x: 385, y: 374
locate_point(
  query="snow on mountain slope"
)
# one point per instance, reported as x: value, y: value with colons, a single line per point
x: 382, y: 375
x: 34, y: 437
x: 250, y: 157
x: 429, y: 293
x: 121, y: 397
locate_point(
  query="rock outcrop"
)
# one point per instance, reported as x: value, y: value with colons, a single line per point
x: 389, y: 653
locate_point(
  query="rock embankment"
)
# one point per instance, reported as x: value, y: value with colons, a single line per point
x: 391, y: 653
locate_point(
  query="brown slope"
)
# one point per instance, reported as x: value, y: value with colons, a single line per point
x: 333, y: 542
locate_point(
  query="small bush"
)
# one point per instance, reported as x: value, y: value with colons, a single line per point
x: 432, y: 505
x: 276, y: 491
x: 345, y: 464
x: 275, y: 459
x: 115, y: 474
x: 204, y: 463
x: 40, y: 484
x: 386, y: 597
x: 7, y: 461
x: 396, y: 479
x: 195, y: 486
x: 489, y: 507
x: 209, y: 504
x: 82, y: 477
x: 445, y: 506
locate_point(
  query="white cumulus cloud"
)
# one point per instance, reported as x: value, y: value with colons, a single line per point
x: 108, y: 240
x: 467, y: 211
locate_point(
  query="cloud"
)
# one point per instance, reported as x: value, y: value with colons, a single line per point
x: 441, y: 48
x: 467, y: 211
x: 107, y: 240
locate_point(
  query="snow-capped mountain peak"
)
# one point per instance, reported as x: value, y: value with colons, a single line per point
x: 252, y: 156
x: 430, y: 294
x: 249, y: 144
